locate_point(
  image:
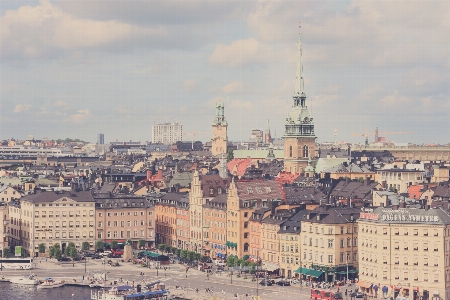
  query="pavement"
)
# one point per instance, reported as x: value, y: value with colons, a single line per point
x: 174, y: 277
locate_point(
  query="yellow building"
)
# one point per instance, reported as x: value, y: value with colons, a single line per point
x: 329, y: 243
x: 4, y: 229
x: 405, y: 250
x: 52, y: 217
x: 290, y: 245
x: 219, y: 131
x: 244, y: 197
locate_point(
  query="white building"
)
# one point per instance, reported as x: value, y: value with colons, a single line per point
x: 167, y: 133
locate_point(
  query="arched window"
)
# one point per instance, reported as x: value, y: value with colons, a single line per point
x: 290, y: 151
x: 305, y: 151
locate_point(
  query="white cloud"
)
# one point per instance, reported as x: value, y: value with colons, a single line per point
x: 231, y: 88
x: 80, y: 116
x: 241, y: 104
x: 60, y: 103
x: 21, y: 108
x: 45, y: 29
x: 190, y: 85
x: 240, y: 53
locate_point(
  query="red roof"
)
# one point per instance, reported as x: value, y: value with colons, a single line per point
x: 416, y: 190
x: 238, y: 166
x: 287, y: 177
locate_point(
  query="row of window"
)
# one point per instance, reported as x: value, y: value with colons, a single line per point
x: 416, y: 276
x: 115, y: 214
x: 122, y: 223
x: 49, y: 235
x: 125, y: 234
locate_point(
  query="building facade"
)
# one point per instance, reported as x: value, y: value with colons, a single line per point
x: 299, y: 137
x: 125, y: 217
x: 4, y: 226
x: 167, y: 133
x: 405, y: 251
x: 219, y: 131
x: 215, y: 215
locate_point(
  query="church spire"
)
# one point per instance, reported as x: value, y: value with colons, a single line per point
x: 299, y: 92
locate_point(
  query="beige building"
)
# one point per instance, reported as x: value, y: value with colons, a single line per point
x: 329, y: 242
x: 52, y: 217
x: 440, y: 174
x: 245, y: 197
x: 219, y: 131
x: 4, y: 228
x: 9, y: 193
x: 125, y: 217
x: 411, y: 153
x: 399, y: 179
x: 290, y: 245
x: 405, y: 250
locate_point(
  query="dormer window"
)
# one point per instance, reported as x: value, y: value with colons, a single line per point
x: 318, y: 217
x: 211, y: 191
x: 268, y: 190
x: 249, y: 190
x: 284, y: 227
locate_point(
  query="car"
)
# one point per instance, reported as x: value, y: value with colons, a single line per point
x: 357, y: 295
x: 338, y: 296
x: 96, y: 256
x: 283, y: 282
x: 65, y: 259
x: 89, y: 254
x: 266, y: 282
x: 113, y: 255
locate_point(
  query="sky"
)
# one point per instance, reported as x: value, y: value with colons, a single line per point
x: 78, y: 68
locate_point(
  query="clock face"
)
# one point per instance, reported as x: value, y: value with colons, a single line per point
x: 306, y: 119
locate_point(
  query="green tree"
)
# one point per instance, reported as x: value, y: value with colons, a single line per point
x: 85, y: 246
x: 178, y: 252
x: 57, y: 254
x: 41, y: 248
x: 191, y: 256
x: 197, y: 256
x: 231, y: 261
x: 114, y: 244
x: 230, y: 155
x: 204, y: 258
x: 141, y: 243
x: 6, y: 253
x: 184, y: 254
x: 71, y: 245
x: 162, y: 247
x: 100, y: 245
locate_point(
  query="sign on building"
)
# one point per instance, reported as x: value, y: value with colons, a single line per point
x: 18, y: 251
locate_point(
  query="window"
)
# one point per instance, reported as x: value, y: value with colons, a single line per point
x: 341, y: 257
x: 330, y: 258
x: 342, y: 241
x: 330, y: 243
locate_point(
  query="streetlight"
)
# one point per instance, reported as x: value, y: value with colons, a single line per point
x: 231, y: 277
x: 157, y: 262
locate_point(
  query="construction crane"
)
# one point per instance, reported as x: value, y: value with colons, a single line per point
x: 335, y: 136
x: 379, y: 132
x: 197, y: 133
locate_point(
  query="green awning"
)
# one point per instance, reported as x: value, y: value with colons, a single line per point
x: 349, y: 272
x: 151, y: 254
x: 304, y: 271
x: 314, y: 273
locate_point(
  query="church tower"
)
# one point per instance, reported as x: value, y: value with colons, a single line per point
x: 219, y: 131
x: 299, y: 137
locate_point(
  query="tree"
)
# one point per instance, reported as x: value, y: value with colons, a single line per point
x: 184, y: 254
x: 197, y: 256
x: 114, y: 244
x: 71, y: 245
x: 204, y: 258
x: 141, y: 243
x: 230, y: 155
x: 231, y: 261
x: 6, y: 253
x: 57, y: 254
x: 167, y: 248
x: 178, y: 252
x: 85, y: 246
x: 162, y: 247
x: 100, y: 245
x: 41, y: 248
x: 191, y: 256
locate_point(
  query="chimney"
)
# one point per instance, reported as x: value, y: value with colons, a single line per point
x: 402, y: 204
x: 427, y: 207
x: 394, y: 207
x: 148, y: 175
x: 274, y: 206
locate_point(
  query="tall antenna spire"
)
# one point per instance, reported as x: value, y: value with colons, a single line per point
x: 299, y: 84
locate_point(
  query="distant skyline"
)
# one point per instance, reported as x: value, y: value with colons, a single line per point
x: 77, y: 68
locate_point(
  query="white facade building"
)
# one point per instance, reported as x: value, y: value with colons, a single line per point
x: 167, y: 133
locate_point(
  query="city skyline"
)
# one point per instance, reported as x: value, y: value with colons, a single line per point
x: 73, y: 69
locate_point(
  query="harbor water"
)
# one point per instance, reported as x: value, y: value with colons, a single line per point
x: 10, y: 291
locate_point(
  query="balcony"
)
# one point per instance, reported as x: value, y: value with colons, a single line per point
x: 406, y: 248
x: 397, y: 277
x: 416, y: 279
x: 416, y: 264
x: 415, y: 233
x: 426, y: 264
x: 416, y: 248
x: 385, y: 248
x: 425, y: 234
x: 425, y: 249
x: 397, y: 248
x: 5, y: 222
x: 397, y: 263
x: 397, y: 233
x: 436, y: 250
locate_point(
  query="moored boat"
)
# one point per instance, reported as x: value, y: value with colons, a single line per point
x: 49, y: 283
x: 131, y: 293
x: 27, y: 279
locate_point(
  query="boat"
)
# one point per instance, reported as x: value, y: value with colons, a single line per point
x: 49, y: 283
x: 27, y: 279
x: 128, y: 292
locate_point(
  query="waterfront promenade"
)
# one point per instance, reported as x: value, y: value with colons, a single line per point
x: 174, y: 277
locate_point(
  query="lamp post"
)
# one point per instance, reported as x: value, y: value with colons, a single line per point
x: 157, y: 262
x: 231, y: 277
x: 84, y: 264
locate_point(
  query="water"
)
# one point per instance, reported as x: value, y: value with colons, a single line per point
x: 10, y: 291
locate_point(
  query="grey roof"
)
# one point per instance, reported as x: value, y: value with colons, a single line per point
x: 41, y: 197
x: 184, y: 179
x: 293, y: 224
x: 435, y: 216
x: 298, y: 194
x: 331, y: 215
x: 351, y: 168
x: 122, y: 201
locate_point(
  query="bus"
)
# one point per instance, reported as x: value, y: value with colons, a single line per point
x: 16, y: 263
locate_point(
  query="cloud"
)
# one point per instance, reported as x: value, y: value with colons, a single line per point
x: 80, y: 116
x: 21, y: 108
x: 241, y: 104
x: 240, y: 53
x: 60, y: 103
x: 190, y: 85
x: 231, y: 88
x: 395, y: 100
x: 45, y: 30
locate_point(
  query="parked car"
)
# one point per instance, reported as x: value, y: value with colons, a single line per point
x: 89, y: 254
x: 114, y: 255
x: 96, y: 256
x: 65, y: 259
x: 267, y: 282
x: 357, y: 295
x: 338, y: 296
x: 105, y: 253
x: 283, y: 282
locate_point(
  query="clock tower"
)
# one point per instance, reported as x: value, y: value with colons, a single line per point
x: 299, y: 137
x: 219, y: 131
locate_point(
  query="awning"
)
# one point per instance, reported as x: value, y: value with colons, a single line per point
x: 270, y: 267
x: 151, y: 254
x: 364, y: 284
x: 314, y: 273
x: 349, y: 272
x: 303, y: 271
